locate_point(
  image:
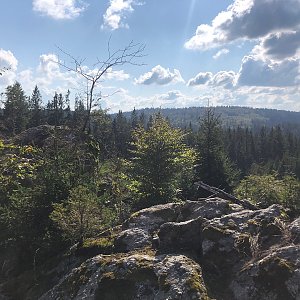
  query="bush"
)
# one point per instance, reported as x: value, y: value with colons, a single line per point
x: 269, y: 189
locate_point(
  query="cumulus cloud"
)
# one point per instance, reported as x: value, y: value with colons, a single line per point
x: 247, y: 19
x: 221, y: 53
x: 48, y: 65
x: 279, y: 45
x: 254, y: 72
x: 171, y: 96
x: 200, y: 78
x: 257, y: 72
x: 59, y: 9
x: 9, y: 63
x: 115, y: 13
x: 118, y: 75
x: 161, y: 76
x: 224, y: 79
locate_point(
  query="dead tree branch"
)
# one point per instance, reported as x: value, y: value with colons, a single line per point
x: 220, y: 193
x: 129, y: 55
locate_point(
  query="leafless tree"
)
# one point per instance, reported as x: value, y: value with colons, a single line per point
x: 129, y: 55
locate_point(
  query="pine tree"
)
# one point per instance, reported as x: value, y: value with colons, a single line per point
x: 121, y: 132
x: 214, y: 167
x: 15, y: 109
x: 35, y: 107
x: 134, y: 119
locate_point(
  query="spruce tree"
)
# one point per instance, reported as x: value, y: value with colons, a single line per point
x: 35, y: 107
x: 159, y: 159
x: 214, y: 167
x: 15, y: 109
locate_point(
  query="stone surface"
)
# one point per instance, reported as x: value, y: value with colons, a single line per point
x: 174, y: 237
x: 274, y: 276
x: 133, y: 276
x: 207, y: 249
x: 132, y: 239
x: 207, y: 208
x: 150, y: 219
x: 295, y: 231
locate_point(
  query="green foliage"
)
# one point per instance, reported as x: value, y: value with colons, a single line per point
x: 80, y: 216
x: 35, y: 107
x: 21, y: 199
x: 15, y: 109
x: 214, y: 167
x: 269, y: 189
x: 159, y: 159
x: 18, y: 167
x: 113, y: 188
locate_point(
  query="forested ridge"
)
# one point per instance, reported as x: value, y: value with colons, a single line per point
x: 231, y: 116
x: 63, y: 182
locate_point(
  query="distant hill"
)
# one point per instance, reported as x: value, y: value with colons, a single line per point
x: 231, y: 116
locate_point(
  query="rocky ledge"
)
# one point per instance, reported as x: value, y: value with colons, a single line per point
x: 206, y: 249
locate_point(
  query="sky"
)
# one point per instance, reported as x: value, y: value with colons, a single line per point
x: 221, y: 52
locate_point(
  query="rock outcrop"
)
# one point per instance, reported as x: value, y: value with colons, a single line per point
x: 208, y: 249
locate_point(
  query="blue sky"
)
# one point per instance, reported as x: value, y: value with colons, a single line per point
x: 242, y: 52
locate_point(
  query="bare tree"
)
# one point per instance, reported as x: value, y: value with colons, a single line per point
x: 129, y: 55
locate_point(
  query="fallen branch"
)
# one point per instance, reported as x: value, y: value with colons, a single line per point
x: 220, y: 193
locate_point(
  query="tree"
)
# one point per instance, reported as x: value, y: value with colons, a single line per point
x: 121, y: 132
x: 214, y: 167
x: 159, y: 157
x: 35, y: 107
x: 15, y: 109
x: 79, y: 217
x: 126, y: 56
x: 269, y: 189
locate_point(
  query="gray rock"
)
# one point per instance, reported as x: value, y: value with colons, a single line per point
x: 174, y: 237
x: 207, y: 208
x: 274, y: 276
x: 134, y: 276
x: 243, y: 220
x: 295, y: 231
x: 150, y: 219
x: 132, y: 239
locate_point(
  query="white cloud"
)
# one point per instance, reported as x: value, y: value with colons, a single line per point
x: 119, y: 75
x: 264, y: 97
x: 171, y: 96
x: 279, y: 45
x: 247, y: 19
x: 257, y: 72
x: 224, y: 79
x: 59, y: 9
x: 161, y: 76
x: 10, y: 64
x: 175, y: 98
x: 115, y: 13
x: 220, y: 53
x: 200, y: 78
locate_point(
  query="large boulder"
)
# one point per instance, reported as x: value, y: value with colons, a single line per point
x: 274, y: 276
x: 177, y: 237
x: 150, y: 219
x: 133, y: 276
x: 132, y: 239
x: 206, y: 208
x: 294, y: 229
x: 35, y: 136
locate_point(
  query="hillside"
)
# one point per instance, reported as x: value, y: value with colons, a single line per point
x: 231, y: 116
